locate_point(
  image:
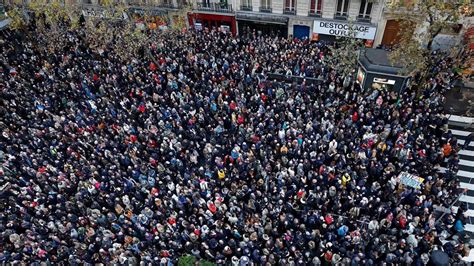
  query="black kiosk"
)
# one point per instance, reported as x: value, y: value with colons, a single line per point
x: 376, y: 72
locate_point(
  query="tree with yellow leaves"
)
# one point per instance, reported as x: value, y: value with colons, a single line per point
x: 104, y: 26
x: 422, y: 21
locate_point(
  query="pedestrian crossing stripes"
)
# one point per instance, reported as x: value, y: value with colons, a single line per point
x: 461, y: 142
x: 468, y: 213
x: 461, y: 127
x: 466, y: 163
x: 469, y: 227
x: 466, y: 152
x: 460, y: 132
x: 461, y: 119
x: 468, y: 199
x: 467, y: 186
x: 467, y: 174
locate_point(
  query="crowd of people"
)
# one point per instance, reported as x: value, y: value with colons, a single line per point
x: 192, y: 150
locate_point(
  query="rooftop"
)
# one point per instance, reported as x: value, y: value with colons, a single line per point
x: 376, y: 60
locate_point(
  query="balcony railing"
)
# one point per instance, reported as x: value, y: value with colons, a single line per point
x: 246, y: 8
x: 265, y: 9
x: 289, y: 11
x: 362, y: 18
x: 215, y: 7
x: 315, y: 13
x: 340, y: 15
x: 167, y: 5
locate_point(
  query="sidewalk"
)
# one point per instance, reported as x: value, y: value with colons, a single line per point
x: 460, y: 101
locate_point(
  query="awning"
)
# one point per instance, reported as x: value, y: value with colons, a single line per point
x: 376, y: 61
x: 254, y: 17
x: 150, y: 12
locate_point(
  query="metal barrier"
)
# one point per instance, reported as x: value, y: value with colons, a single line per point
x: 293, y: 79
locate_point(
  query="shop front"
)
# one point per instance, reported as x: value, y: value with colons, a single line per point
x: 262, y: 24
x: 329, y: 30
x: 152, y: 18
x: 376, y: 72
x: 205, y: 21
x: 300, y: 28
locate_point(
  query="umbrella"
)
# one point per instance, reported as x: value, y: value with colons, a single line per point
x: 439, y: 258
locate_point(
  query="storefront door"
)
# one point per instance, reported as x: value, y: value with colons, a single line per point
x: 390, y: 35
x: 300, y: 31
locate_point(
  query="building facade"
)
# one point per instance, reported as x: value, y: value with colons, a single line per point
x: 312, y: 19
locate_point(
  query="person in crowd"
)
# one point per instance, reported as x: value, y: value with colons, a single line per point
x: 196, y: 152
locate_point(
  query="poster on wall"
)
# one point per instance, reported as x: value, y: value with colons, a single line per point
x: 343, y: 29
x: 198, y: 26
x: 225, y: 28
x: 384, y: 81
x: 360, y: 76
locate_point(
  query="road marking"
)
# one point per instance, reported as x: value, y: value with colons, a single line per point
x: 465, y: 174
x: 461, y: 119
x: 468, y: 213
x: 468, y: 199
x: 466, y: 163
x: 460, y: 132
x: 461, y: 143
x: 469, y: 227
x: 466, y: 152
x: 466, y: 185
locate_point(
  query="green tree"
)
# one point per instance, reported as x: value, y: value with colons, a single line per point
x: 106, y: 26
x: 178, y: 17
x: 409, y: 53
x: 206, y: 263
x: 187, y: 260
x: 344, y: 54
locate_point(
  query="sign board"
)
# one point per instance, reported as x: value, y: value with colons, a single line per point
x: 257, y: 17
x: 343, y: 29
x: 384, y: 81
x: 198, y: 26
x: 410, y: 180
x: 225, y: 28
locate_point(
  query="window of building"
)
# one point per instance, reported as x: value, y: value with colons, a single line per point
x: 342, y: 9
x: 265, y: 6
x: 315, y: 8
x: 290, y: 7
x: 246, y: 5
x: 365, y: 10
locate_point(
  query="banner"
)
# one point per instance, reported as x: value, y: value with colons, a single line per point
x: 410, y: 180
x: 343, y: 29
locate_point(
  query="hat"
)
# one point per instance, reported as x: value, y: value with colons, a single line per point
x: 212, y: 207
x: 254, y: 236
x: 328, y: 256
x: 221, y: 174
x: 328, y: 219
